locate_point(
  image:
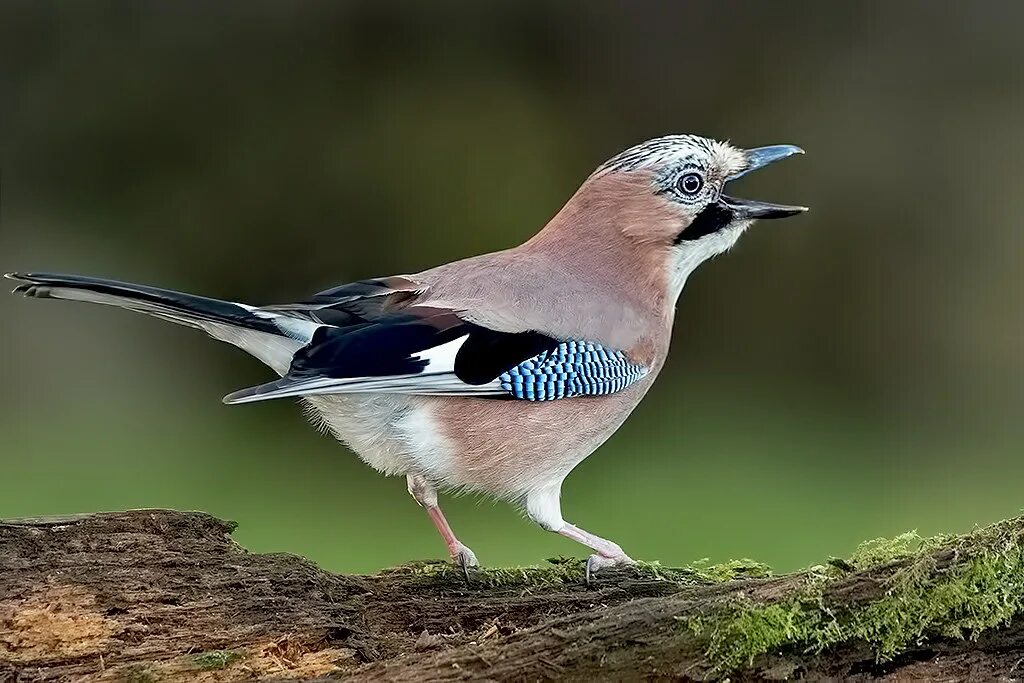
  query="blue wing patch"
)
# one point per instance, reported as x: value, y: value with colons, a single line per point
x: 571, y: 369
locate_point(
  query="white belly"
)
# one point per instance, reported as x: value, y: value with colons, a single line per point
x: 392, y: 433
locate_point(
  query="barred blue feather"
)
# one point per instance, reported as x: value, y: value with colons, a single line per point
x: 572, y: 368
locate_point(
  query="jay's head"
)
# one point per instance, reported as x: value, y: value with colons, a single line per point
x: 671, y: 196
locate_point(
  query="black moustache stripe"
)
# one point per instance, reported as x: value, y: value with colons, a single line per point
x: 713, y: 218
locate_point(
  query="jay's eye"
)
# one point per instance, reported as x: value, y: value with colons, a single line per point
x: 690, y: 183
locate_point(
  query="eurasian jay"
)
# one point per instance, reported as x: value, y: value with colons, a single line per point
x: 498, y: 373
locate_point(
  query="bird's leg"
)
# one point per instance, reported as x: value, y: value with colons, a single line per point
x: 543, y: 506
x: 425, y: 494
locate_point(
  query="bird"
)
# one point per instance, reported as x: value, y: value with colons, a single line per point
x: 497, y: 373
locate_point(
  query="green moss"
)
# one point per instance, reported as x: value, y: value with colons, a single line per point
x: 744, y: 629
x: 884, y: 550
x: 558, y: 571
x: 215, y: 659
x: 982, y: 587
x: 562, y: 571
x: 728, y: 571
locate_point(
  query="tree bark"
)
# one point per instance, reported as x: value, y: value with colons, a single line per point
x: 152, y: 595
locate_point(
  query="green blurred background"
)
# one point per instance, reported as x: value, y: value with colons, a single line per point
x: 853, y: 373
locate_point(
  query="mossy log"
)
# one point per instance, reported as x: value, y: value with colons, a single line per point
x: 153, y: 595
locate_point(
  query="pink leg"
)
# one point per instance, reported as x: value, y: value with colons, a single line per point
x: 544, y: 508
x: 426, y: 496
x: 603, y: 547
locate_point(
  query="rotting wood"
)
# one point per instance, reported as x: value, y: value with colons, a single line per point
x: 152, y: 595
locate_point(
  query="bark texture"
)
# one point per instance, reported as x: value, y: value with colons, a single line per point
x: 153, y: 595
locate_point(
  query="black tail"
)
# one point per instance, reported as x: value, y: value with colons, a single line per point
x: 186, y: 309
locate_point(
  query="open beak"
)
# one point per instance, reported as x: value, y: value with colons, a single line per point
x: 749, y: 208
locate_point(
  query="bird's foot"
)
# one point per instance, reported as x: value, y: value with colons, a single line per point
x: 465, y: 558
x: 596, y: 562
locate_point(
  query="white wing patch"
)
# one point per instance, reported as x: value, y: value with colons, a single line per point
x: 442, y: 358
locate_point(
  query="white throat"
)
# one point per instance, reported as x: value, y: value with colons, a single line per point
x: 687, y: 255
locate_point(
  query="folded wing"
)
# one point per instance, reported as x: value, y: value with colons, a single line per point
x: 386, y: 342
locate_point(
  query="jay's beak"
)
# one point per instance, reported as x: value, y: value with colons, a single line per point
x: 750, y: 208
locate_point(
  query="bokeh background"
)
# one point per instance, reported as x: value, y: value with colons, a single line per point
x: 852, y: 373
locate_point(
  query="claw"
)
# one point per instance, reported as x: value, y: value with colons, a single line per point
x: 465, y: 558
x: 596, y: 562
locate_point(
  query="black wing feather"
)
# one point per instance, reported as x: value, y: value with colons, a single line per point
x: 375, y: 349
x: 488, y: 353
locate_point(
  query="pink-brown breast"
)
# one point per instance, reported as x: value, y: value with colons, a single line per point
x: 510, y: 447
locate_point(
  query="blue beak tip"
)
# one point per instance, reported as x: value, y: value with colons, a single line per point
x: 760, y: 157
